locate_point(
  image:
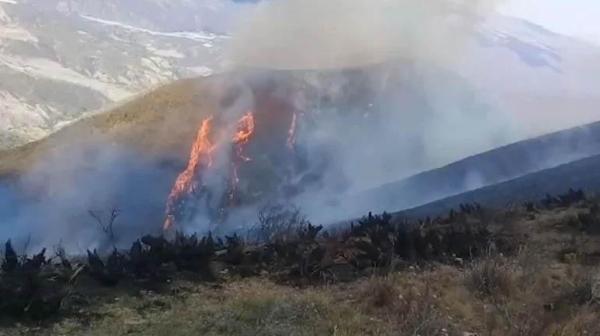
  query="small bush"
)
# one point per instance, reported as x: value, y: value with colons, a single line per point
x: 579, y: 289
x: 381, y: 293
x: 279, y: 223
x: 418, y: 314
x: 490, y: 277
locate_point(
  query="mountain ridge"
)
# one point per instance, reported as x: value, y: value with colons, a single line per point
x: 46, y: 60
x: 491, y: 167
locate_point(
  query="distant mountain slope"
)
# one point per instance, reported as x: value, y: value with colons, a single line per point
x: 488, y: 168
x: 582, y: 174
x: 61, y: 60
x: 547, y: 81
x: 130, y: 156
x: 159, y: 124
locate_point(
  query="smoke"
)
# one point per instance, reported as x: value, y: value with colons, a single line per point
x: 376, y: 99
x: 49, y: 204
x: 402, y: 111
x: 431, y: 115
x: 314, y: 34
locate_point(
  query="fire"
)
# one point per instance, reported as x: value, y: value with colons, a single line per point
x: 245, y: 130
x: 200, y: 157
x: 227, y: 170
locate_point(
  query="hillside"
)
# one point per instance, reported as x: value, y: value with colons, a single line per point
x: 129, y: 157
x: 582, y: 174
x: 489, y: 168
x: 500, y: 272
x: 159, y: 123
x: 62, y: 60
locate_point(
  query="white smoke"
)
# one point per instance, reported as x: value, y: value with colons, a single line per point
x: 309, y: 34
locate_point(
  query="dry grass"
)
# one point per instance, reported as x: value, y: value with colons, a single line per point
x: 534, y: 292
x: 160, y: 123
x: 491, y: 277
x: 436, y: 301
x: 251, y: 307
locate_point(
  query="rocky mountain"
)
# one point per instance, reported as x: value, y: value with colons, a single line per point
x: 546, y: 81
x: 60, y: 60
x: 63, y: 59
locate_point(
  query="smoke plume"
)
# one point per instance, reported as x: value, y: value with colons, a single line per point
x: 375, y: 98
x: 314, y: 34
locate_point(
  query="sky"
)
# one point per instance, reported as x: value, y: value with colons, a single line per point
x: 578, y: 18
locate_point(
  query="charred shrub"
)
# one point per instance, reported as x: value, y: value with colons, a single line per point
x: 31, y: 287
x: 193, y: 253
x: 589, y: 222
x: 377, y: 240
x: 107, y: 273
x: 373, y: 240
x: 279, y: 223
x: 154, y: 258
x: 569, y: 198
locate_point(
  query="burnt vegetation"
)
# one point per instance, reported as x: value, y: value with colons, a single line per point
x: 288, y: 249
x: 34, y: 287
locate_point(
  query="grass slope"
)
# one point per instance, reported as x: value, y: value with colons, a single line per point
x: 161, y: 122
x: 582, y: 174
x: 545, y: 288
x: 495, y: 166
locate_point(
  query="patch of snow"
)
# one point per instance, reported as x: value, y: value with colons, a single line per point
x: 203, y: 71
x: 17, y: 34
x: 195, y: 36
x: 44, y: 68
x: 15, y: 113
x: 4, y: 18
x: 170, y: 53
x: 12, y: 2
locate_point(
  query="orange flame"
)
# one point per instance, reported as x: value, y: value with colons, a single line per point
x: 245, y: 130
x: 201, y: 155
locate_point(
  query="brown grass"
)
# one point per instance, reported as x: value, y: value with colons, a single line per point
x: 534, y: 292
x: 160, y: 123
x: 491, y: 277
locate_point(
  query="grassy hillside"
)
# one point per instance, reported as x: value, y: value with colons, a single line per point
x: 582, y: 174
x: 162, y: 122
x: 543, y: 283
x: 495, y: 166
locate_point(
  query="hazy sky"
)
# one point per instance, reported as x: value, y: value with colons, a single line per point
x: 580, y: 18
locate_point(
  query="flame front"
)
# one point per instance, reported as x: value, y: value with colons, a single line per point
x: 200, y: 157
x: 201, y: 160
x: 244, y: 132
x: 245, y: 129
